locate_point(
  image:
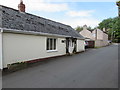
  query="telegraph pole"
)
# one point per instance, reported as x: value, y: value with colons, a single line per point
x: 118, y: 4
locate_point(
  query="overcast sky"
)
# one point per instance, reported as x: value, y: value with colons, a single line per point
x: 70, y: 12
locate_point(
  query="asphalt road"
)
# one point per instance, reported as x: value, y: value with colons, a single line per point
x: 95, y: 68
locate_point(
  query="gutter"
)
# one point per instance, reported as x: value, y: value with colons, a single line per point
x: 34, y: 33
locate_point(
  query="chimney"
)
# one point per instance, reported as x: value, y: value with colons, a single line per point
x: 84, y: 27
x: 104, y: 30
x: 21, y: 6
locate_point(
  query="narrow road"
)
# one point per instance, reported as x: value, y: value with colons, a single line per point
x: 95, y: 68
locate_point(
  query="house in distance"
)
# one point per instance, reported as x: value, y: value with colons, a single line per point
x: 95, y: 38
x: 26, y: 37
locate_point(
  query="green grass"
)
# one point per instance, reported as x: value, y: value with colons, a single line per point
x: 17, y: 66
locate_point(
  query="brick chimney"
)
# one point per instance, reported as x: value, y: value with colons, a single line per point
x: 21, y: 6
x: 85, y: 27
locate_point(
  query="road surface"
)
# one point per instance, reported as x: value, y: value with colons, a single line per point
x: 95, y: 68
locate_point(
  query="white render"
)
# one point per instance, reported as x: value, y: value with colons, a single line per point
x: 80, y: 45
x: 23, y: 47
x: 20, y: 47
x: 1, y: 50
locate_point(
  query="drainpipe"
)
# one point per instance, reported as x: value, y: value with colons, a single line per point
x: 1, y: 52
x: 96, y: 34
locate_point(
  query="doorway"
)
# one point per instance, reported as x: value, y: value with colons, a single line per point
x: 71, y: 45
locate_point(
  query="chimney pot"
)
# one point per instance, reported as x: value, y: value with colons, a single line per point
x: 21, y: 6
x: 85, y: 27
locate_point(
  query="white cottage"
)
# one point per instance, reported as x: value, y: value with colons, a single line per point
x: 26, y: 37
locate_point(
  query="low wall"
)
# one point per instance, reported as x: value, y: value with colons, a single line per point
x: 80, y: 45
x: 100, y: 43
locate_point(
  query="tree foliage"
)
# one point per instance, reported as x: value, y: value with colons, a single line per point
x: 80, y: 28
x: 107, y: 24
x: 113, y: 28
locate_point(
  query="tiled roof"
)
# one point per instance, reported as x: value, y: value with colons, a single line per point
x: 13, y: 19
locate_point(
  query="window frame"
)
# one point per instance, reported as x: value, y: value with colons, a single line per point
x: 51, y: 44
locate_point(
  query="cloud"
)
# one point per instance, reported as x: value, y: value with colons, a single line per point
x: 36, y: 5
x: 48, y: 7
x: 83, y: 13
x: 81, y: 17
x: 74, y: 22
x: 10, y: 3
x: 80, y: 0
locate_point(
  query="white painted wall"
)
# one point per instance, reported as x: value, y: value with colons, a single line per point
x: 0, y: 50
x: 80, y: 45
x: 20, y: 47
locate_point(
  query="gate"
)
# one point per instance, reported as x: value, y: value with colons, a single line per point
x: 91, y: 44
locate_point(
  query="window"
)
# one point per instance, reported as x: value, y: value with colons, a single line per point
x: 51, y: 44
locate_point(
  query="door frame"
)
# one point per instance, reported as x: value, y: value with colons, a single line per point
x: 74, y: 42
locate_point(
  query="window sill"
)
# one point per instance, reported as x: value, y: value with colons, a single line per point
x: 48, y: 51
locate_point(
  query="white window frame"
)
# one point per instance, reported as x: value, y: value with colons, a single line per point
x: 48, y: 48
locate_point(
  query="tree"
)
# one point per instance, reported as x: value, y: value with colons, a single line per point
x: 80, y: 28
x: 113, y: 28
x: 106, y: 23
x: 89, y: 28
x: 116, y: 29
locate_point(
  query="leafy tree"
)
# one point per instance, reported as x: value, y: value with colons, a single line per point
x: 79, y: 28
x: 90, y: 29
x: 116, y: 29
x: 113, y: 28
x: 107, y: 24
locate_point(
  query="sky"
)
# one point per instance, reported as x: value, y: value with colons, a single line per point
x: 70, y: 12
